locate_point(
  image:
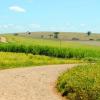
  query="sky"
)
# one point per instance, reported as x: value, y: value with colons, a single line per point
x: 49, y: 15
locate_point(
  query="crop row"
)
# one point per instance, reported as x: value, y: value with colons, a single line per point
x: 51, y: 51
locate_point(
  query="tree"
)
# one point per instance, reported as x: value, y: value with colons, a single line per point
x: 50, y: 36
x: 56, y: 35
x: 15, y: 34
x: 42, y: 36
x: 28, y: 32
x: 88, y: 33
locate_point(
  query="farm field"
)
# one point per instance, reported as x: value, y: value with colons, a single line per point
x: 50, y: 42
x: 94, y: 43
x: 23, y: 51
x: 55, y: 48
x: 50, y: 50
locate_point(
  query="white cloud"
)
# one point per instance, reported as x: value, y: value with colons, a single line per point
x: 17, y: 9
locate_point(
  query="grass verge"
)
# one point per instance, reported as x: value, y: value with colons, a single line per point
x: 12, y: 60
x: 80, y: 83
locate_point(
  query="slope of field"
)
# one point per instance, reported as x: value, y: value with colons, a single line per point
x: 62, y: 35
x: 50, y: 42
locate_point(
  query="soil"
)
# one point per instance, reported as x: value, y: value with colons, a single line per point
x: 35, y: 83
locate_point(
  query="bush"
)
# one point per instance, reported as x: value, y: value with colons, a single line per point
x: 81, y: 83
x: 75, y: 38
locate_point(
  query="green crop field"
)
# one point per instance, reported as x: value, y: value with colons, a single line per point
x: 54, y: 48
x: 79, y: 83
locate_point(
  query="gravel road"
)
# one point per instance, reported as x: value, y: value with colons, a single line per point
x: 35, y: 83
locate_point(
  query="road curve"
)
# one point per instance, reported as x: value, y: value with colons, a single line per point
x: 35, y: 83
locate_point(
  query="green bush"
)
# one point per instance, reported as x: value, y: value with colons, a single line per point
x: 81, y: 83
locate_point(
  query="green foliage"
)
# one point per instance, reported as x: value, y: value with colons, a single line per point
x: 13, y: 60
x: 81, y: 83
x: 89, y: 33
x: 16, y: 34
x: 51, y: 51
x: 53, y: 48
x: 56, y: 35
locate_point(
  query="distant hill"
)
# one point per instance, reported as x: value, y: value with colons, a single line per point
x: 62, y: 35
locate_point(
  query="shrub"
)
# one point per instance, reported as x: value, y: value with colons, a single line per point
x: 75, y: 38
x: 81, y: 83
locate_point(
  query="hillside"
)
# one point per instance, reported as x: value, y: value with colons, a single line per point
x: 63, y: 35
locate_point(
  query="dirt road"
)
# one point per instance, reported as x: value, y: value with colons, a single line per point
x: 35, y: 83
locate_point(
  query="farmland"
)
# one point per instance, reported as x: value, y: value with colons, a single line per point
x: 79, y: 83
x: 53, y: 48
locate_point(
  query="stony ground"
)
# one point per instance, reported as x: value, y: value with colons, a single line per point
x: 35, y: 83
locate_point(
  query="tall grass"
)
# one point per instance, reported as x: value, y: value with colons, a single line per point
x: 51, y: 48
x: 51, y: 51
x: 81, y: 82
x: 14, y: 60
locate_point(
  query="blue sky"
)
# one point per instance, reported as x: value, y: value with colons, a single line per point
x: 49, y: 15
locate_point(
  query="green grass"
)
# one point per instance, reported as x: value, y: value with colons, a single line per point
x: 81, y: 82
x: 46, y: 42
x: 51, y: 48
x: 14, y: 60
x: 78, y: 53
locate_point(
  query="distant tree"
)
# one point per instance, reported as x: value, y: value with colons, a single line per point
x: 50, y: 36
x: 42, y: 36
x: 89, y: 33
x: 56, y: 35
x: 28, y: 32
x: 15, y: 34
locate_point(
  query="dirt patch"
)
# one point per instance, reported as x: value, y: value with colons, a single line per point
x: 31, y: 83
x: 3, y: 39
